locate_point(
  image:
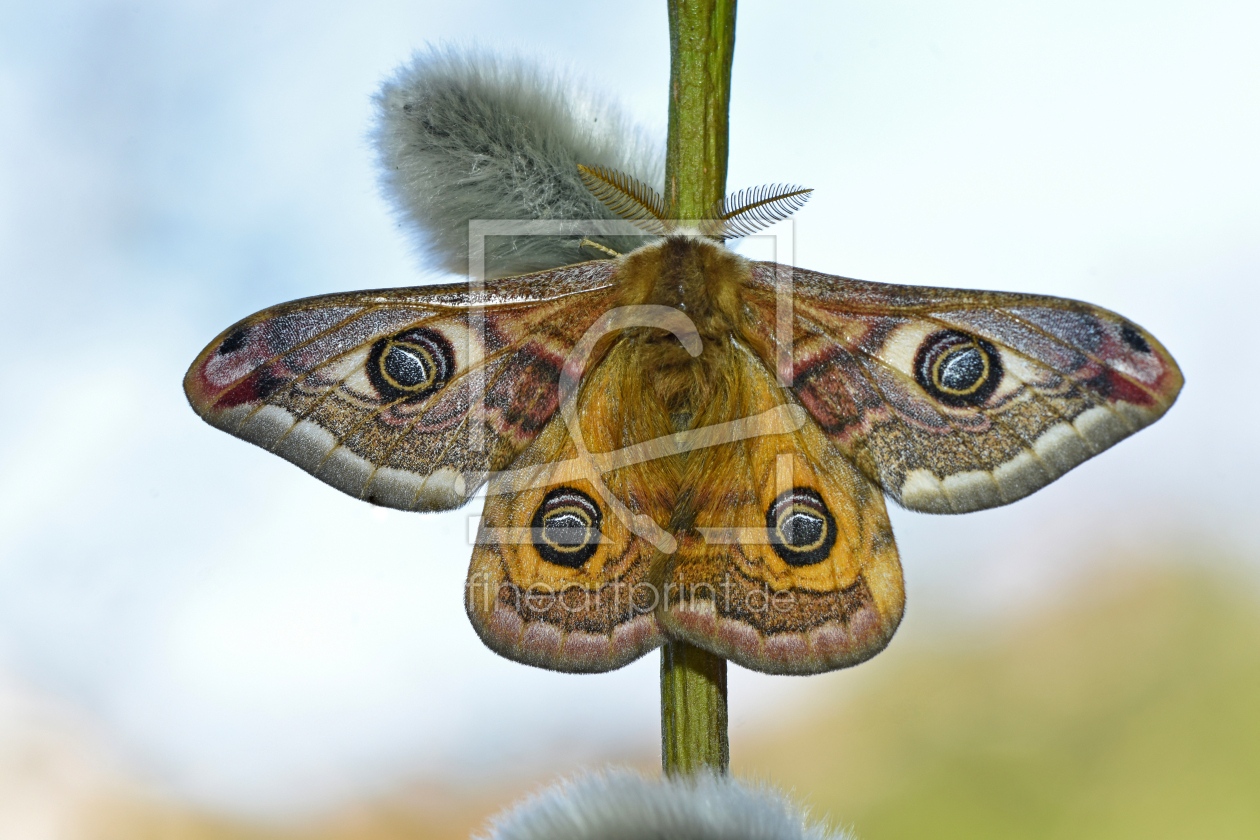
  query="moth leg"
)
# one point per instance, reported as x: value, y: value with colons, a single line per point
x: 609, y: 251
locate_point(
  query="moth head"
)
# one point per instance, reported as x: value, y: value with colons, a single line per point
x: 739, y: 214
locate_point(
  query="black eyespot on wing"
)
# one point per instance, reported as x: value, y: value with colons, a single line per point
x: 958, y: 369
x: 235, y: 341
x: 411, y: 365
x: 802, y: 529
x: 565, y: 527
x: 1134, y: 339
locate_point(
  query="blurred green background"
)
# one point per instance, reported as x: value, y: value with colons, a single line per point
x: 1128, y: 712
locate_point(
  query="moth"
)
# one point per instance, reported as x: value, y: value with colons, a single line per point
x: 675, y: 442
x: 680, y: 443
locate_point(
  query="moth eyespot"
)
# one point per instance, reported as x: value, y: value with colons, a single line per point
x: 802, y: 529
x: 565, y: 527
x: 235, y: 341
x: 958, y: 369
x: 1134, y: 339
x: 410, y: 365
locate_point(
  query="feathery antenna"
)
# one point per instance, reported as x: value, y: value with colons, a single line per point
x: 739, y: 214
x: 748, y: 211
x: 628, y: 197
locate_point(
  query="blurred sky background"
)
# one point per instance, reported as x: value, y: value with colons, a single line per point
x: 246, y: 637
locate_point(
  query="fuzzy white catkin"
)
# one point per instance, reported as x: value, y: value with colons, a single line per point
x: 467, y: 135
x: 622, y: 805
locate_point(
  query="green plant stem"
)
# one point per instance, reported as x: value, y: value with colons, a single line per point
x: 693, y: 710
x: 702, y: 44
